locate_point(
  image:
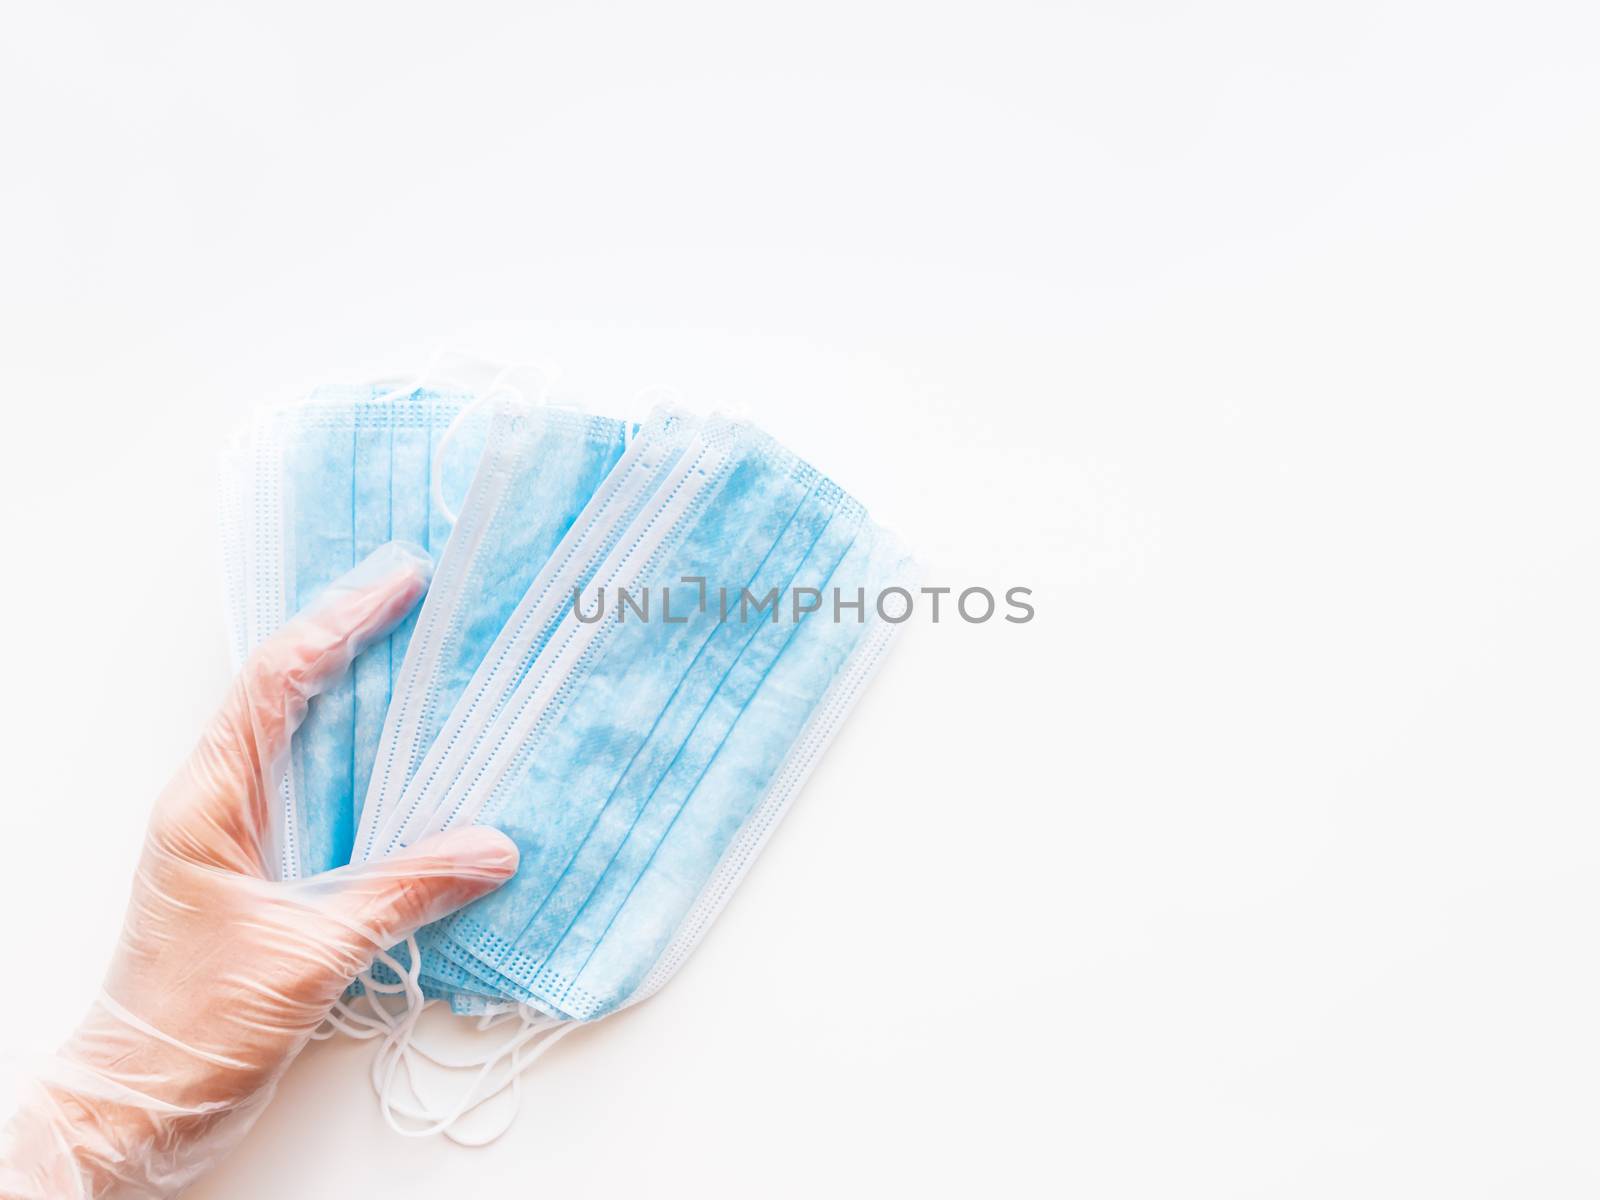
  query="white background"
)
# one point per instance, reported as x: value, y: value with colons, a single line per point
x: 1258, y: 339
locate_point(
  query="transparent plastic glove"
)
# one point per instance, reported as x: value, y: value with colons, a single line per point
x: 221, y: 973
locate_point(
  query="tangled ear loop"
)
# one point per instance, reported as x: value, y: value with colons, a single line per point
x: 498, y: 388
x: 512, y: 396
x: 497, y: 1070
x: 343, y: 1018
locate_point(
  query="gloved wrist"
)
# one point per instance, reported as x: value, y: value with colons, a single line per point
x: 222, y: 973
x: 117, y: 1113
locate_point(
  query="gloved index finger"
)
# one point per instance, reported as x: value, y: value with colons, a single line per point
x: 316, y: 647
x: 216, y: 809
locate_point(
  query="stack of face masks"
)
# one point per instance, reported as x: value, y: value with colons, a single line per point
x: 636, y: 643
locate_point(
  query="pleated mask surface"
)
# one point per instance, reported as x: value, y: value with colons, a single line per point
x: 640, y: 763
x: 537, y: 470
x: 317, y: 486
x: 493, y: 650
x: 656, y: 455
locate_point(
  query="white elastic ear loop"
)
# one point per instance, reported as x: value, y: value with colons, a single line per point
x: 344, y: 1018
x: 412, y: 383
x: 397, y: 1027
x: 401, y: 1025
x: 484, y: 1085
x: 497, y: 389
x: 519, y: 1065
x: 347, y: 1019
x: 437, y: 372
x: 466, y: 371
x: 489, y: 1080
x: 400, y: 1049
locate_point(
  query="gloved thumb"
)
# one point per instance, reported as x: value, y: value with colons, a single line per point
x: 391, y: 898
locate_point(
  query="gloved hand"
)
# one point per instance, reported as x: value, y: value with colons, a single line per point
x: 222, y: 973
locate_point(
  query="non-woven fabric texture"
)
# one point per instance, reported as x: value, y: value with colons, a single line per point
x: 640, y: 759
x: 307, y: 493
x: 626, y: 757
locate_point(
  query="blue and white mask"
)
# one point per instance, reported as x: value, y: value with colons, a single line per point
x: 639, y: 765
x: 499, y: 658
x: 538, y: 469
x: 537, y: 483
x: 311, y: 491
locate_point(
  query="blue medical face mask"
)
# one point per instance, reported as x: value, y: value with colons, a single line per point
x: 538, y: 468
x: 318, y: 486
x: 640, y: 766
x: 547, y: 477
x: 504, y: 646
